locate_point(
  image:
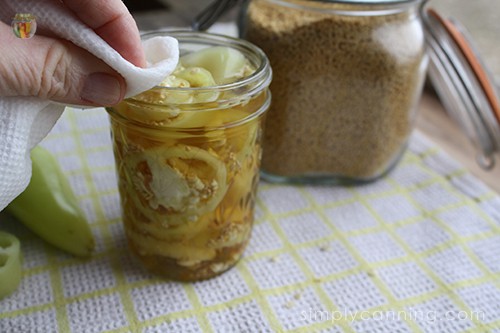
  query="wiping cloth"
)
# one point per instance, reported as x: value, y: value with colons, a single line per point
x: 25, y: 121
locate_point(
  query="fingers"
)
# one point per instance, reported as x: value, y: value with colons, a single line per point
x: 111, y: 20
x: 53, y: 69
x: 56, y: 70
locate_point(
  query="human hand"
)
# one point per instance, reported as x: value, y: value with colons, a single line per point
x: 55, y: 69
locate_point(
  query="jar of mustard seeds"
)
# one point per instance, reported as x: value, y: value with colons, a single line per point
x: 347, y: 79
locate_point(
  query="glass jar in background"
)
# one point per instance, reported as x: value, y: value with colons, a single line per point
x: 188, y: 163
x: 347, y: 79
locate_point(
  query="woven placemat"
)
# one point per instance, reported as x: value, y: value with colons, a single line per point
x: 417, y: 251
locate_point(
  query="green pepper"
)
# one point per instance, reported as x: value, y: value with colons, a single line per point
x: 50, y: 209
x: 10, y: 264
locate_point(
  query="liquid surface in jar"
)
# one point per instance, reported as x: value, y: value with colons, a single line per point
x: 188, y: 187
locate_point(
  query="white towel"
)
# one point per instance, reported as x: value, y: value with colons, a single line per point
x: 26, y: 121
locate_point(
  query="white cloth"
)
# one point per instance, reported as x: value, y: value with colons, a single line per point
x: 25, y: 121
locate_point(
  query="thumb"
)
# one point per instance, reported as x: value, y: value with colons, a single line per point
x: 57, y: 70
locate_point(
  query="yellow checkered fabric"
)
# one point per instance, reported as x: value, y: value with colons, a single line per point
x: 418, y: 251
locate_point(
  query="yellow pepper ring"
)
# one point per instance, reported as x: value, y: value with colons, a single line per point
x: 10, y: 263
x: 183, y: 152
x: 184, y: 231
x: 177, y: 251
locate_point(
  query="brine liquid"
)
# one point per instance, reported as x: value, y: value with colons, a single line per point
x: 188, y: 188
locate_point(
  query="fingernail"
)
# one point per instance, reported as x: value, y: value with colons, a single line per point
x: 102, y: 89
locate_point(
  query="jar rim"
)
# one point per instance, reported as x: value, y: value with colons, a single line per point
x: 360, y: 7
x: 366, y: 2
x: 244, y: 89
x: 262, y: 74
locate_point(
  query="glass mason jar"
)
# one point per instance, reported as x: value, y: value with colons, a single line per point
x: 347, y: 80
x: 188, y: 163
x: 24, y: 25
